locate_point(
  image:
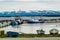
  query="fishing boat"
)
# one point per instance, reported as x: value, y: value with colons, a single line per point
x: 35, y: 21
x: 16, y: 22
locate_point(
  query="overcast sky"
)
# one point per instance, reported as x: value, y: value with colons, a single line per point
x: 9, y: 5
x: 29, y: 0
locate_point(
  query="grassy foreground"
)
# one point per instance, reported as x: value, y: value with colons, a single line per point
x: 32, y: 35
x: 39, y: 35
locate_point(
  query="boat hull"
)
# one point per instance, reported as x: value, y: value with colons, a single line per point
x: 35, y: 22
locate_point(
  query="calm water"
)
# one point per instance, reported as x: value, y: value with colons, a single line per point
x: 31, y: 28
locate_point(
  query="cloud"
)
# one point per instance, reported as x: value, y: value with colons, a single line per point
x: 29, y: 6
x: 18, y: 0
x: 29, y: 0
x: 44, y: 5
x: 48, y: 0
x: 25, y: 0
x: 7, y: 0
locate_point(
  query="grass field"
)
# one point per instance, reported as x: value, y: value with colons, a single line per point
x: 32, y: 35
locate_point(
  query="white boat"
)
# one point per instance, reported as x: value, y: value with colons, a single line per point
x: 35, y: 21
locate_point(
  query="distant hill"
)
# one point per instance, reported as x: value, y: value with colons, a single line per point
x: 31, y: 13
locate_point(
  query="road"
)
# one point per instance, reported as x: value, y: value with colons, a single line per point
x: 42, y: 38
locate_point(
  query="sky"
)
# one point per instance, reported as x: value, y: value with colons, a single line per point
x: 29, y: 0
x: 27, y: 5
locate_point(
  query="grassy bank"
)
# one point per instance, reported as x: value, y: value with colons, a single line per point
x: 32, y: 35
x: 39, y: 35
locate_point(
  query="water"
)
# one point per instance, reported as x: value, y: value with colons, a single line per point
x: 31, y: 28
x: 7, y: 18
